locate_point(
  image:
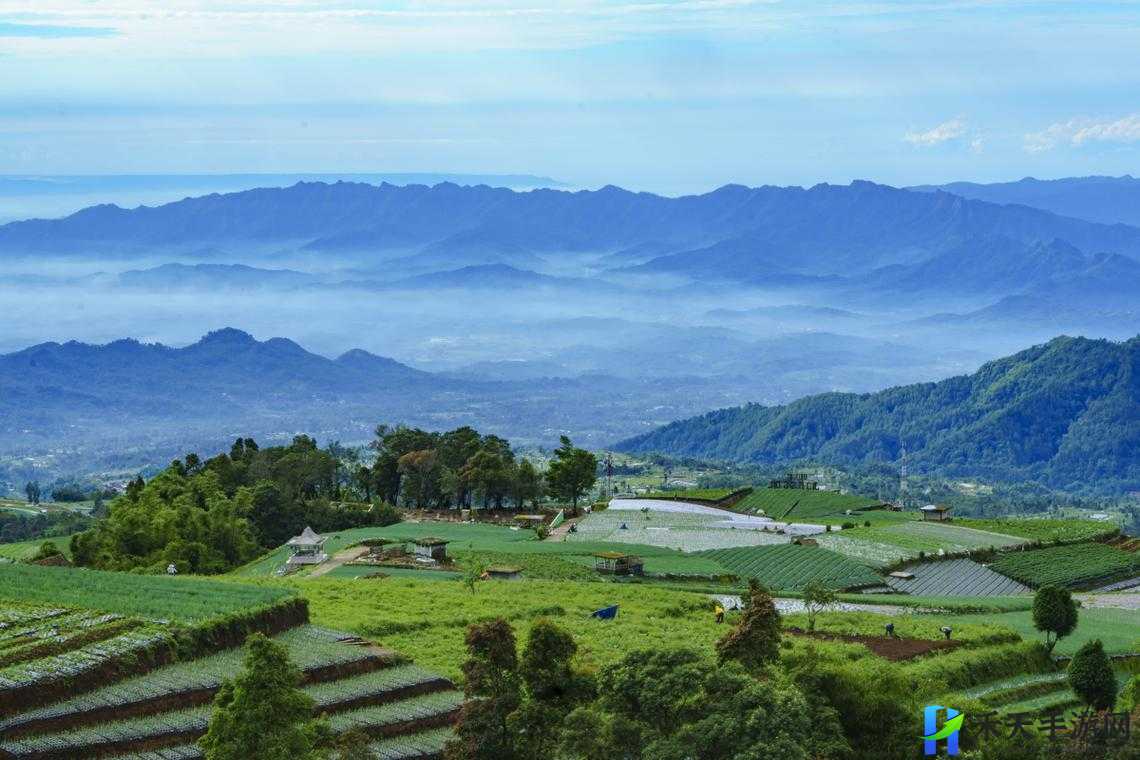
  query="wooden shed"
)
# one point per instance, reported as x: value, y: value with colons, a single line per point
x: 504, y: 573
x: 935, y: 513
x: 616, y: 563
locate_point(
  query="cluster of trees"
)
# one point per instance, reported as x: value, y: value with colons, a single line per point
x: 15, y: 526
x: 462, y: 468
x: 207, y: 516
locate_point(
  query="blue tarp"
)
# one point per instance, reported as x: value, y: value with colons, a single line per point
x: 605, y: 613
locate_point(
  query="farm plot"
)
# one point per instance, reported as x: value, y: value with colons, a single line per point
x: 792, y: 504
x: 893, y: 542
x: 1074, y: 566
x: 1043, y: 529
x: 146, y: 596
x: 318, y: 652
x: 789, y: 567
x: 674, y: 530
x: 956, y: 577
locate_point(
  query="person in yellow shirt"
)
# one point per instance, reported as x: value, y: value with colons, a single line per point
x: 719, y: 613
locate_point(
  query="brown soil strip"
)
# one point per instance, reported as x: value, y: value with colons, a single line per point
x: 895, y: 650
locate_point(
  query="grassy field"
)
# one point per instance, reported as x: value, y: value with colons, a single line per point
x: 25, y: 550
x: 1041, y: 529
x: 1074, y: 565
x: 886, y: 543
x: 185, y: 599
x: 789, y: 567
x: 1118, y: 629
x: 426, y: 620
x: 524, y: 548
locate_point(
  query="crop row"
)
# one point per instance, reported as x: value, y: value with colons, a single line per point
x: 309, y: 647
x: 792, y: 504
x: 427, y: 743
x: 78, y: 661
x: 956, y: 577
x: 1044, y: 529
x: 147, y: 596
x: 374, y: 720
x: 790, y: 567
x: 1073, y: 565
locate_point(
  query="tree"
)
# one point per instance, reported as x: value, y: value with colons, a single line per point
x: 527, y: 484
x: 492, y: 692
x: 420, y: 469
x: 755, y: 641
x: 816, y: 597
x: 553, y: 688
x: 1091, y: 676
x: 32, y: 491
x: 1054, y: 613
x: 486, y: 473
x: 472, y: 575
x: 262, y: 712
x: 573, y: 472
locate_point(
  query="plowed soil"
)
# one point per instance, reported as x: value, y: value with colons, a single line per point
x: 894, y: 650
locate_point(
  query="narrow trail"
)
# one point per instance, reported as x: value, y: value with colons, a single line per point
x: 560, y: 533
x: 338, y: 559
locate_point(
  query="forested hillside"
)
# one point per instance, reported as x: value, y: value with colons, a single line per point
x: 1067, y: 413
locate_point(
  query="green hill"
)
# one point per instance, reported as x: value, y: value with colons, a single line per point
x: 1066, y: 413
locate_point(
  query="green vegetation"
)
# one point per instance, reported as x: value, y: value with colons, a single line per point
x: 186, y: 600
x: 1091, y: 676
x: 1115, y: 627
x: 791, y: 567
x: 1054, y: 614
x: 700, y: 494
x: 792, y: 505
x: 1043, y: 529
x: 1074, y: 566
x: 955, y: 577
x: 24, y: 551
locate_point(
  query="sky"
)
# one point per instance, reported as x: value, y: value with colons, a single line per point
x: 671, y: 96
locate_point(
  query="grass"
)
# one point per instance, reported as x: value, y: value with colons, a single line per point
x: 1042, y: 529
x: 500, y: 542
x: 1118, y: 629
x: 790, y: 567
x: 185, y: 599
x: 926, y: 627
x: 426, y: 620
x: 1074, y: 565
x: 23, y: 551
x: 705, y: 494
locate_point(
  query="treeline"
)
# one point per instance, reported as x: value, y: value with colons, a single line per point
x: 18, y: 527
x: 210, y: 516
x: 461, y: 468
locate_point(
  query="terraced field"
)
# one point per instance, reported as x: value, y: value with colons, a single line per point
x: 686, y: 531
x: 1074, y: 566
x: 801, y: 506
x: 955, y: 577
x: 893, y: 542
x: 789, y: 567
x: 88, y: 683
x: 1043, y: 529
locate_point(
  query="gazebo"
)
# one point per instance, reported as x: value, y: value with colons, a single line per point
x: 616, y: 563
x: 308, y: 548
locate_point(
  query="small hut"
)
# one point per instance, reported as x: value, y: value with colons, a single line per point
x: 308, y: 548
x: 616, y: 563
x: 504, y: 573
x: 431, y: 548
x: 935, y: 513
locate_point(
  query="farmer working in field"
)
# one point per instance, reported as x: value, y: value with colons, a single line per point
x: 890, y: 630
x: 719, y: 611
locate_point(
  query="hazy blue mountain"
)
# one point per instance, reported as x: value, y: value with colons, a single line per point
x: 223, y: 276
x: 1067, y: 412
x: 748, y: 234
x: 1108, y: 200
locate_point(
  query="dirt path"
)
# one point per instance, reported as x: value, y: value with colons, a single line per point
x: 560, y: 533
x: 338, y: 559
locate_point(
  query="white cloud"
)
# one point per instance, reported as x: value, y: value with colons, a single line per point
x: 944, y: 132
x: 1077, y: 132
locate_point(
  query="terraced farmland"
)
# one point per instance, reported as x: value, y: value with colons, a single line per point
x: 790, y: 567
x: 955, y: 577
x: 687, y: 531
x: 1043, y: 529
x: 1074, y: 566
x: 795, y: 505
x: 892, y: 542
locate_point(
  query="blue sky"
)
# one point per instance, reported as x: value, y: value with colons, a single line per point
x: 672, y: 96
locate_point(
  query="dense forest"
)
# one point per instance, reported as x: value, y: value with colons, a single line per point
x: 1066, y: 413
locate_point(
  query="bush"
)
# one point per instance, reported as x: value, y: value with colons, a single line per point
x: 1091, y: 676
x: 47, y: 550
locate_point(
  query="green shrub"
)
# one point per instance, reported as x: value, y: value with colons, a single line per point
x: 1091, y: 676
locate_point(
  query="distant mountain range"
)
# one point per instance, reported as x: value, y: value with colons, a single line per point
x: 1066, y: 413
x: 741, y: 233
x: 1108, y: 200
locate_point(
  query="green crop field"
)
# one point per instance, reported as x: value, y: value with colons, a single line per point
x: 1118, y: 629
x: 887, y: 543
x: 25, y: 550
x: 148, y: 596
x: 705, y: 494
x: 789, y: 567
x: 1040, y: 529
x: 1074, y: 565
x: 686, y: 531
x: 956, y: 577
x: 804, y: 506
